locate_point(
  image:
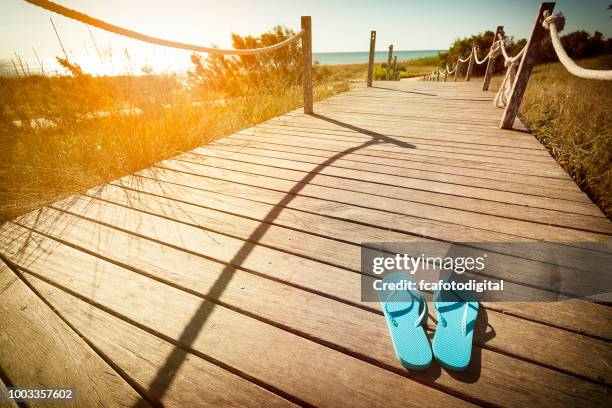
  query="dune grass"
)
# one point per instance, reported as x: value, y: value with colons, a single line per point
x: 572, y: 118
x: 417, y: 67
x: 64, y: 135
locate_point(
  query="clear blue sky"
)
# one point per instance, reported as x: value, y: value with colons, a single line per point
x: 338, y: 25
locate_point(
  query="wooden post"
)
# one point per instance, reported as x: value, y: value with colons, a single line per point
x: 468, y: 74
x: 491, y: 62
x: 445, y: 73
x: 395, y: 68
x: 307, y: 63
x: 389, y: 62
x: 524, y: 70
x: 457, y: 69
x: 437, y: 74
x: 371, y: 59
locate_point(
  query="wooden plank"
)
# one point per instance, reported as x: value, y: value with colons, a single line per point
x: 367, y: 333
x: 440, y: 139
x: 393, y: 167
x: 363, y: 172
x: 513, y: 335
x: 571, y: 206
x: 405, y: 124
x: 577, y: 316
x: 293, y: 242
x: 142, y: 355
x: 385, y: 197
x: 520, y: 154
x: 411, y: 154
x: 389, y: 164
x: 263, y: 352
x: 423, y: 130
x: 38, y: 350
x: 358, y: 215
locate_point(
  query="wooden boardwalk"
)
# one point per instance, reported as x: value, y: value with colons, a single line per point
x: 229, y: 276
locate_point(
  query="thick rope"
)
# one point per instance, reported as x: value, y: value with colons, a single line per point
x: 449, y: 71
x: 511, y: 63
x: 466, y: 58
x: 554, y: 24
x: 83, y: 18
x: 510, y: 60
x: 476, y: 56
x: 505, y: 88
x: 493, y: 52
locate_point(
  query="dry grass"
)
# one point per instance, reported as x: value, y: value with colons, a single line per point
x: 572, y: 117
x: 95, y: 130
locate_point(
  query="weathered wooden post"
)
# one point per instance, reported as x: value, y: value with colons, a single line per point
x: 371, y: 59
x: 307, y: 63
x: 491, y: 62
x: 457, y: 69
x: 395, y: 67
x: 468, y: 74
x: 525, y: 67
x: 438, y: 75
x: 389, y: 62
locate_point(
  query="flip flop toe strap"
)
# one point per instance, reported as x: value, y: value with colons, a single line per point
x: 442, y: 320
x: 396, y: 313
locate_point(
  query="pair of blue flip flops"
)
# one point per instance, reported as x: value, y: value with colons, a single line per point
x: 405, y: 312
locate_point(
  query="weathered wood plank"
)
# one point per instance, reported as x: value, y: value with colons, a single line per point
x: 374, y: 173
x: 389, y: 198
x: 142, y: 355
x: 394, y: 168
x: 366, y: 333
x: 541, y: 156
x: 263, y: 352
x: 389, y: 163
x: 485, y: 145
x: 580, y: 317
x: 513, y: 336
x: 38, y: 350
x: 409, y: 154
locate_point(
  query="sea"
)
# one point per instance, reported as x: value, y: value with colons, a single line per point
x: 181, y: 63
x: 335, y: 58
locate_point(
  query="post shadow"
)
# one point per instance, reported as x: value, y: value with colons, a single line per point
x: 164, y: 376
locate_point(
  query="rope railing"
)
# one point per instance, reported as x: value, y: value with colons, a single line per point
x: 103, y: 25
x: 555, y: 23
x: 519, y: 66
x: 509, y: 59
x: 511, y: 64
x: 305, y: 34
x: 493, y: 52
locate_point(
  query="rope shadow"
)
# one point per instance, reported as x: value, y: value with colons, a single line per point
x: 166, y: 373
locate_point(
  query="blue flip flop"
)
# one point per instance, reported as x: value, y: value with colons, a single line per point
x: 452, y: 342
x: 401, y: 309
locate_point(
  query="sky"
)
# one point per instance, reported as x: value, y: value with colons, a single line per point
x: 338, y: 25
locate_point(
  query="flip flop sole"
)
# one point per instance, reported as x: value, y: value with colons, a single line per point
x: 410, y: 342
x: 451, y: 348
